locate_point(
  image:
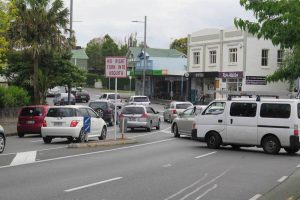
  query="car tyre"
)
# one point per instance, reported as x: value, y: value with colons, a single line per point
x: 158, y: 125
x: 20, y: 134
x: 290, y: 150
x: 175, y: 131
x: 47, y: 139
x: 100, y: 112
x: 271, y: 145
x: 213, y: 140
x: 2, y: 143
x: 149, y: 129
x: 103, y: 133
x: 81, y: 137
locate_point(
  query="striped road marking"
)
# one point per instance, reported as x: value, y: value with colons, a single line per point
x: 257, y: 196
x: 282, y: 179
x: 24, y: 158
x: 201, y: 156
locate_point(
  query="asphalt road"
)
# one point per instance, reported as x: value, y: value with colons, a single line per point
x: 158, y: 167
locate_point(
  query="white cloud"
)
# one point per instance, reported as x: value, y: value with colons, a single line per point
x: 167, y: 19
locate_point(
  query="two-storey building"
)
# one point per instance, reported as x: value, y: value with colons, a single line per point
x: 232, y: 61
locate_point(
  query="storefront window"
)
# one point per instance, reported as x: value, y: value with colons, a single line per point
x: 234, y: 84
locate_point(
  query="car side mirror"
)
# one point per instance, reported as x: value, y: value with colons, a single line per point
x: 157, y: 112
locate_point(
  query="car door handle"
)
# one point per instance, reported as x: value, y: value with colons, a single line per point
x: 220, y: 121
x: 231, y: 120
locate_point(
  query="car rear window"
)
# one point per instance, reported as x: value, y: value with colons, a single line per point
x: 133, y: 110
x: 112, y: 96
x: 183, y: 106
x: 32, y: 111
x: 61, y: 112
x: 96, y: 105
x: 141, y: 99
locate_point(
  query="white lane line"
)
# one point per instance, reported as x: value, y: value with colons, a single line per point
x: 207, y: 191
x: 97, y: 152
x: 167, y: 165
x: 35, y: 150
x: 36, y: 141
x: 24, y: 158
x: 282, y: 179
x: 201, y: 156
x: 92, y: 184
x: 298, y: 166
x: 202, y: 186
x: 182, y: 190
x: 257, y: 196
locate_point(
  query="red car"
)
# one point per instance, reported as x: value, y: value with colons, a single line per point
x: 31, y: 119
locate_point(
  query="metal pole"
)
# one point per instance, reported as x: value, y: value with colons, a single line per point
x: 71, y: 17
x: 130, y: 84
x: 145, y: 46
x: 116, y: 88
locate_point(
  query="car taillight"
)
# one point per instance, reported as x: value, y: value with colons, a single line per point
x: 44, y: 123
x: 74, y: 123
x: 174, y: 111
x: 296, y: 131
x: 145, y: 115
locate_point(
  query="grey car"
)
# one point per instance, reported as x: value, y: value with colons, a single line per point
x: 174, y: 108
x: 62, y: 99
x: 2, y: 139
x: 183, y: 124
x: 139, y: 116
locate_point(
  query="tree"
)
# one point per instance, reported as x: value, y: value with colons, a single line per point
x: 180, y: 45
x: 39, y: 27
x: 93, y: 51
x: 109, y: 48
x: 278, y: 21
x: 4, y: 24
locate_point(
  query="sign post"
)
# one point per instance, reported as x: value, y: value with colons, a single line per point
x: 116, y: 67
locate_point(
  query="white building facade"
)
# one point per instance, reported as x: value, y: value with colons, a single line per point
x: 231, y: 61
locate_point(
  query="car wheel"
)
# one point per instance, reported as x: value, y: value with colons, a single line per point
x: 81, y: 137
x: 2, y: 143
x: 271, y: 145
x: 158, y: 125
x: 213, y: 140
x: 20, y: 134
x: 290, y: 150
x: 175, y: 131
x: 149, y: 129
x: 100, y: 112
x: 47, y: 139
x: 103, y: 133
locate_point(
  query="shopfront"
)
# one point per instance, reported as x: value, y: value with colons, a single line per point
x: 231, y: 81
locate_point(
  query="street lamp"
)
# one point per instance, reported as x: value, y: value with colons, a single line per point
x: 145, y: 46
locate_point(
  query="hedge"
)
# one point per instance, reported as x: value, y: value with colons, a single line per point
x: 13, y: 97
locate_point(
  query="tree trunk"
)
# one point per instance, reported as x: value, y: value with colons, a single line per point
x: 36, y: 92
x: 69, y: 94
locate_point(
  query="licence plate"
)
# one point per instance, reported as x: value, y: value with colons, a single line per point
x: 30, y: 122
x: 57, y: 123
x: 132, y: 119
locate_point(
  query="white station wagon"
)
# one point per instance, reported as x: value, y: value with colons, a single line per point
x: 73, y: 122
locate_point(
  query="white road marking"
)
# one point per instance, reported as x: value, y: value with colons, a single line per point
x: 93, y: 184
x: 298, y: 166
x: 282, y: 179
x: 201, y: 156
x: 207, y: 191
x: 36, y: 141
x: 202, y: 186
x: 182, y: 190
x: 97, y: 152
x: 24, y: 158
x: 167, y: 165
x: 257, y: 196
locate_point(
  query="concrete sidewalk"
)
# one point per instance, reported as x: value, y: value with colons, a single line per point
x: 10, y: 126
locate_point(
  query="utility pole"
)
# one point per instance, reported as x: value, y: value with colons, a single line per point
x: 145, y: 57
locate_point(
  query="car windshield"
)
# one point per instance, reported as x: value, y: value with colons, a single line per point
x: 32, y: 111
x: 112, y: 96
x: 96, y: 105
x: 141, y: 99
x: 81, y: 93
x: 133, y: 110
x: 183, y: 106
x: 61, y: 112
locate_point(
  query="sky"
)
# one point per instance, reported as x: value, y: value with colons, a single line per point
x: 166, y: 19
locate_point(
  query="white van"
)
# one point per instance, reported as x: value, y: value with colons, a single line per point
x: 268, y: 123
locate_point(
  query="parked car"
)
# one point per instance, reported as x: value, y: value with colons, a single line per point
x: 73, y: 122
x: 139, y: 100
x: 139, y: 116
x: 53, y: 91
x: 2, y: 139
x: 183, y: 124
x: 62, y: 99
x: 31, y: 119
x: 82, y: 96
x: 111, y: 97
x: 171, y: 111
x: 268, y: 123
x: 105, y: 110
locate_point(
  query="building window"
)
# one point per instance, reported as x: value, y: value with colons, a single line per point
x: 264, y: 57
x: 213, y: 57
x: 196, y: 58
x: 279, y: 57
x: 232, y: 55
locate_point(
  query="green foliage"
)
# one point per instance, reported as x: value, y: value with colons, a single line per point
x: 93, y: 51
x: 13, y: 97
x: 180, y: 45
x: 90, y: 79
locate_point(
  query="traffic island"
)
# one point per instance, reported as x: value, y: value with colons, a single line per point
x: 100, y: 143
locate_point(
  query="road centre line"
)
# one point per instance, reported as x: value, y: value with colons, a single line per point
x: 201, y: 156
x: 92, y: 184
x: 255, y: 197
x: 207, y: 191
x: 182, y: 190
x: 96, y: 152
x: 282, y: 179
x: 24, y: 158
